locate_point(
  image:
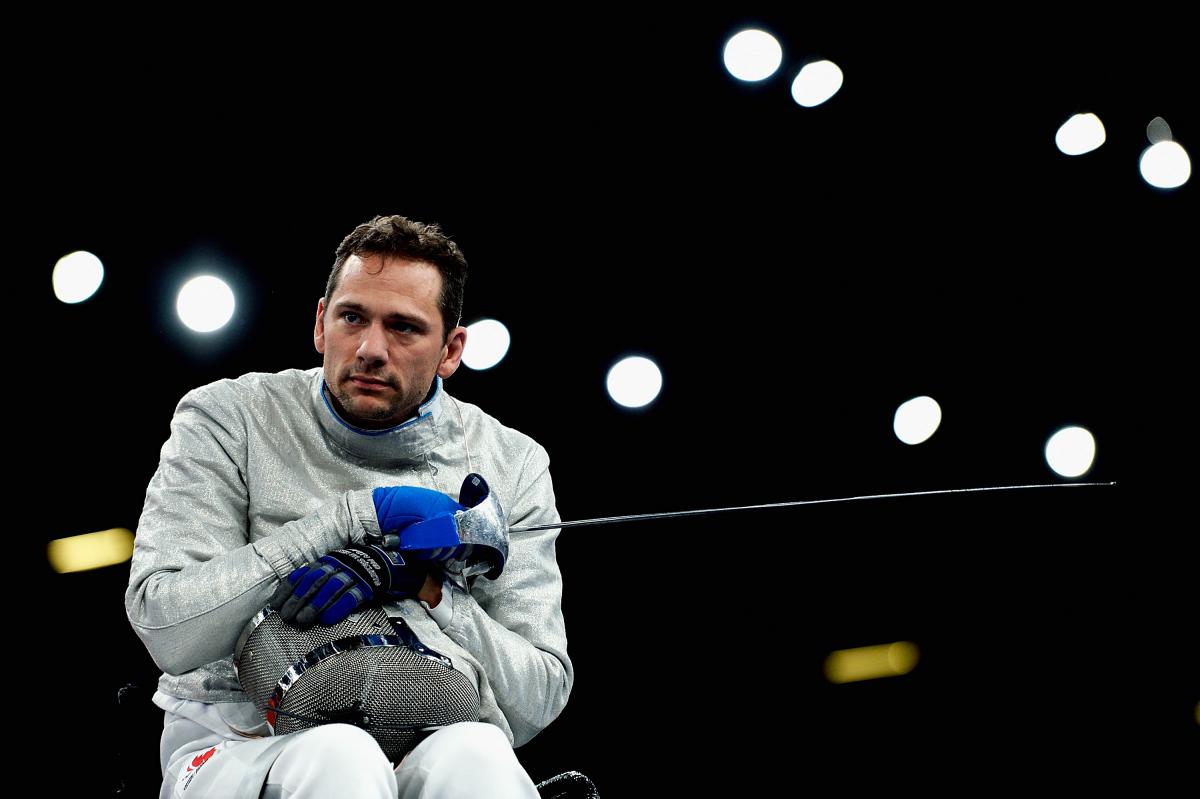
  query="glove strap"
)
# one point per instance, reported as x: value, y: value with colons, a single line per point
x: 372, y: 564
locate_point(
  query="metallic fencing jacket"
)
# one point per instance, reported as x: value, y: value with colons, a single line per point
x: 261, y: 476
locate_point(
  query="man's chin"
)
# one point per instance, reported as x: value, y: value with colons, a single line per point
x: 368, y: 411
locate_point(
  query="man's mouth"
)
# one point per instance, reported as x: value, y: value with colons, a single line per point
x: 368, y: 382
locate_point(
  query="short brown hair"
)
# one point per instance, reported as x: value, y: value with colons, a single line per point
x: 398, y: 235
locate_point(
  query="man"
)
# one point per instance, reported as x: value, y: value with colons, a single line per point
x: 277, y: 476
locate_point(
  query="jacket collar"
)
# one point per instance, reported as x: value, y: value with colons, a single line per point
x: 407, y: 441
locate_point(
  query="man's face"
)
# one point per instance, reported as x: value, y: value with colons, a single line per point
x: 382, y: 339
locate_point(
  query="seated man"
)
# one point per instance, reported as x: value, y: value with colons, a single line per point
x: 272, y: 476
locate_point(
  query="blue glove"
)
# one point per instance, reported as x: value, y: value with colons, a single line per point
x: 333, y: 586
x: 416, y: 521
x: 397, y: 507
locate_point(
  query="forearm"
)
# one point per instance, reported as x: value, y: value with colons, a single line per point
x: 192, y: 591
x: 193, y: 616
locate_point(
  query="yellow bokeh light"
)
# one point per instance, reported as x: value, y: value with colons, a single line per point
x: 871, y: 662
x: 90, y: 551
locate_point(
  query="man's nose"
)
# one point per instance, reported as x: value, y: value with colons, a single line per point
x: 372, y: 347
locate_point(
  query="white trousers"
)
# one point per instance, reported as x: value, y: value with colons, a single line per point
x: 471, y: 759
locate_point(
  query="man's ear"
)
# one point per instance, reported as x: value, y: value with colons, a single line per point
x: 319, y: 328
x: 452, y: 352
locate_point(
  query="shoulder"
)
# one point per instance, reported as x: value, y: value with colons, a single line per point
x: 516, y: 466
x: 481, y: 425
x: 522, y: 457
x: 255, y: 387
x: 235, y: 401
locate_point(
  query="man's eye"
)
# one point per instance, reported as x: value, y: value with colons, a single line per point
x: 351, y: 317
x: 403, y: 327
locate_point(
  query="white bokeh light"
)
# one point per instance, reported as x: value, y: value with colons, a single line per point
x: 77, y: 276
x: 1165, y: 165
x: 1071, y: 451
x: 205, y: 304
x: 634, y: 382
x: 917, y: 419
x: 753, y: 55
x: 816, y: 83
x: 1158, y: 130
x: 487, y: 344
x: 1080, y: 134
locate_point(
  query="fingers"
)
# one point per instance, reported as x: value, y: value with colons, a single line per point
x: 286, y: 588
x: 440, y: 532
x: 396, y: 507
x: 319, y: 592
x: 339, y: 588
x: 308, y: 582
x: 343, y: 606
x: 443, y: 554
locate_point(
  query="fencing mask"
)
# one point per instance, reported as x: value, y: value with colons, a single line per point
x: 367, y: 670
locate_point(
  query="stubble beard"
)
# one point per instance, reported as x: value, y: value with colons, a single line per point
x: 369, y: 412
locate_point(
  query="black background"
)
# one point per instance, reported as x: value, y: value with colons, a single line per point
x: 796, y: 273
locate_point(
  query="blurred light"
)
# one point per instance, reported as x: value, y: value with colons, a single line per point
x: 1070, y: 451
x: 1158, y: 130
x: 634, y: 382
x: 487, y: 344
x: 917, y: 420
x: 753, y: 55
x: 1080, y: 134
x: 76, y: 276
x: 1165, y: 165
x: 90, y: 551
x: 205, y: 304
x: 816, y: 83
x: 871, y: 662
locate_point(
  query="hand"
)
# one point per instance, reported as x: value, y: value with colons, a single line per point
x: 397, y: 507
x: 417, y: 522
x: 333, y: 586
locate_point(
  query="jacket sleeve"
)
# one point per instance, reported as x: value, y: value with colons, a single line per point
x: 196, y: 579
x: 514, y: 625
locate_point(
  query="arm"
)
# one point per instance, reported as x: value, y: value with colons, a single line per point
x: 514, y: 625
x: 196, y: 579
